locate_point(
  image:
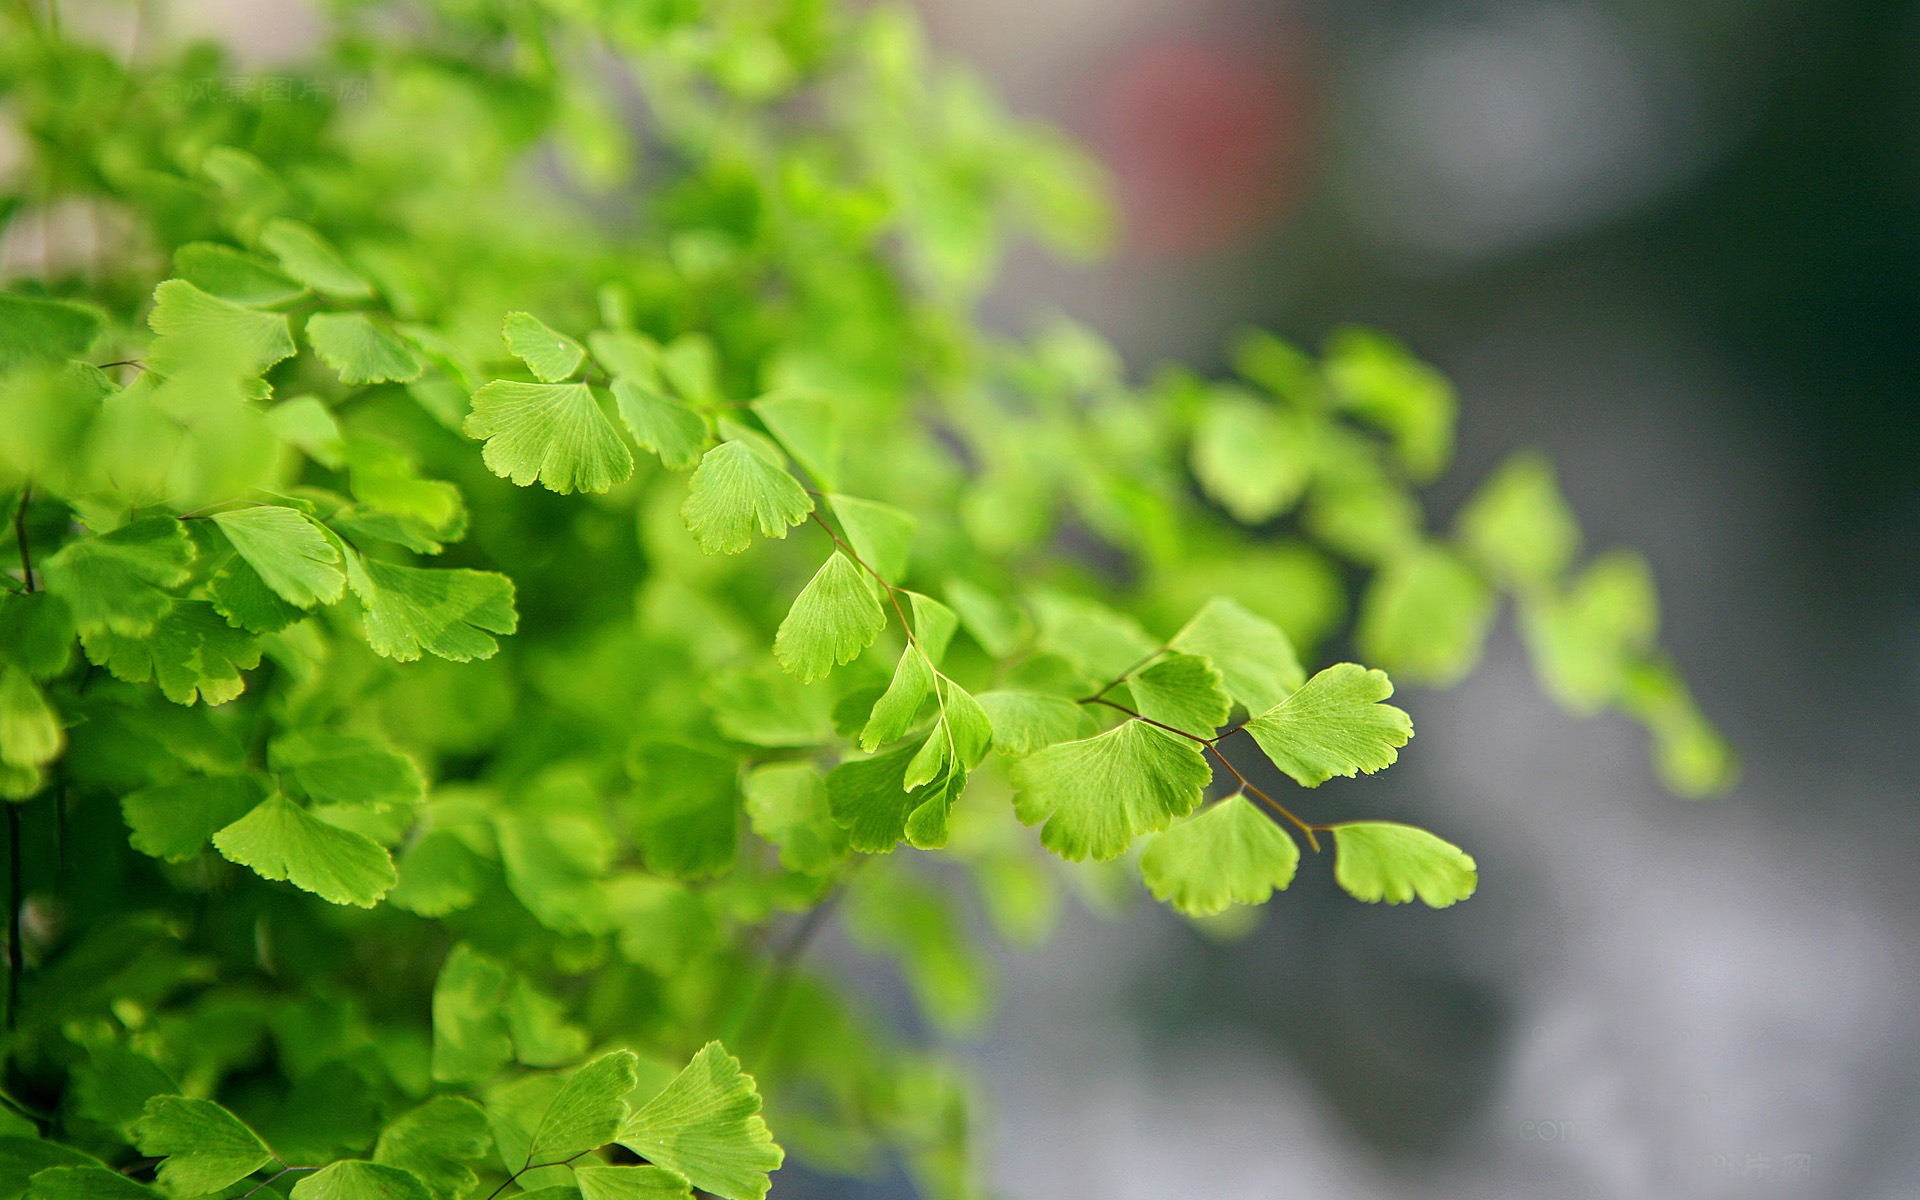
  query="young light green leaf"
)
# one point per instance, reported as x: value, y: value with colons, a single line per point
x: 184, y: 316
x: 288, y: 551
x: 1518, y: 527
x: 631, y: 1183
x: 206, y: 1148
x: 880, y: 534
x: 174, y: 820
x: 788, y: 805
x: 1184, y: 691
x: 1098, y: 794
x: 1255, y: 658
x: 735, y: 491
x: 1692, y: 757
x: 1231, y: 853
x: 552, y: 432
x: 30, y: 731
x: 768, y: 707
x: 1024, y: 722
x: 361, y: 352
x: 809, y: 429
x: 1335, y: 724
x: 542, y: 1034
x: 234, y: 275
x: 706, y: 1126
x: 589, y: 1109
x: 834, y: 618
x: 550, y: 355
x: 671, y: 430
x: 1383, y: 860
x: 352, y: 769
x: 191, y: 653
x: 448, y: 613
x: 437, y: 1144
x: 690, y: 825
x: 280, y: 840
x: 1425, y: 617
x: 1090, y: 635
x: 1252, y: 457
x: 623, y: 352
x: 36, y: 329
x: 119, y: 581
x: 237, y: 593
x: 308, y: 257
x: 933, y: 625
x: 355, y: 1179
x: 894, y: 713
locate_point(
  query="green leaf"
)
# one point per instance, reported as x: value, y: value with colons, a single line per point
x: 880, y: 534
x: 1382, y: 860
x: 119, y: 581
x: 280, y: 840
x: 735, y: 491
x: 689, y: 826
x: 1024, y: 722
x: 550, y: 355
x: 1090, y: 635
x: 30, y: 731
x: 192, y: 654
x: 447, y: 613
x: 33, y: 329
x: 631, y: 1183
x: 175, y: 820
x: 237, y: 593
x: 24, y: 1155
x: 809, y: 429
x: 1334, y: 725
x: 361, y: 352
x: 671, y: 430
x: 1255, y: 659
x: 234, y: 275
x: 308, y: 257
x: 1377, y: 380
x: 471, y: 1042
x: 1098, y: 794
x: 288, y: 551
x: 352, y: 769
x: 834, y: 618
x: 1692, y: 757
x: 870, y: 800
x: 894, y: 713
x: 1184, y: 691
x: 542, y: 1035
x: 552, y: 432
x: 1584, y: 640
x: 437, y: 1144
x: 933, y: 625
x: 186, y: 317
x: 706, y: 1125
x: 588, y: 1111
x: 353, y: 1179
x: 788, y: 805
x: 36, y: 631
x: 1425, y: 617
x: 994, y: 622
x: 1518, y: 528
x: 768, y: 707
x: 1253, y: 458
x: 1231, y: 853
x: 87, y: 1183
x: 206, y: 1147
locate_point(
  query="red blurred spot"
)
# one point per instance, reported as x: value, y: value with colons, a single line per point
x: 1208, y: 140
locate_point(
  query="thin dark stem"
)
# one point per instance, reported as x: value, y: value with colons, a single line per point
x: 1121, y: 678
x: 1119, y: 707
x: 20, y: 535
x: 892, y: 592
x: 1269, y: 801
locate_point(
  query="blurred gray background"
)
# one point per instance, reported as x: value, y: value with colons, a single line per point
x: 1677, y: 245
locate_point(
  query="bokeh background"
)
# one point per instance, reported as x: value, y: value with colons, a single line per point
x: 1676, y: 244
